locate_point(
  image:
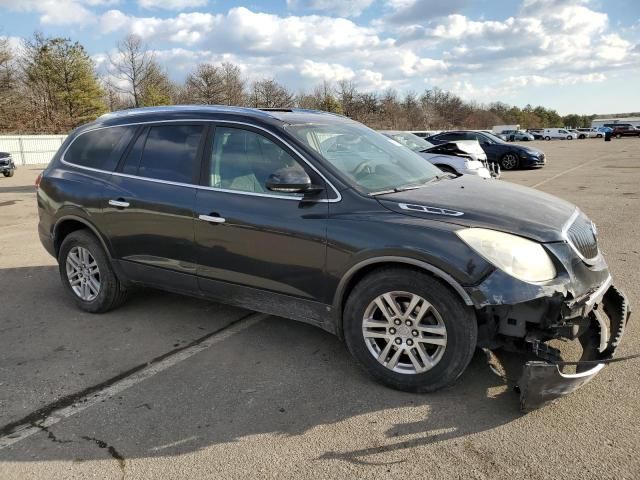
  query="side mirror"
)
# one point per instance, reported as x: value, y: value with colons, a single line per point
x: 291, y: 180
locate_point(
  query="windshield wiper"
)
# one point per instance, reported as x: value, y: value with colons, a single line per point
x: 411, y: 186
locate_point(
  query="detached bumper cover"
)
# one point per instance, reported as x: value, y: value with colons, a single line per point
x: 542, y: 382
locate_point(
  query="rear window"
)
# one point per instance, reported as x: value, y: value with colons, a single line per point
x: 166, y: 152
x: 100, y: 148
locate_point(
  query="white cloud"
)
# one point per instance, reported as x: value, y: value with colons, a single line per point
x: 342, y: 8
x: 417, y: 11
x: 326, y: 71
x: 172, y: 4
x: 59, y: 12
x: 549, y: 42
x: 242, y: 29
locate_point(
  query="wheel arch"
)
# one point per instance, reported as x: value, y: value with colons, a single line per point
x: 358, y: 271
x: 71, y: 223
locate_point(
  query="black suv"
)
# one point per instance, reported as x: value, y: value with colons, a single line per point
x: 317, y: 218
x: 7, y: 166
x: 508, y: 155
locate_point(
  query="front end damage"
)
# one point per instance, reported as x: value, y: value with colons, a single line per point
x: 532, y: 319
x: 599, y: 332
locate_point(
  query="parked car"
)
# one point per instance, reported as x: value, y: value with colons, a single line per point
x: 7, y: 165
x: 590, y: 132
x: 518, y: 136
x: 614, y: 125
x: 498, y: 129
x: 626, y: 131
x: 577, y: 134
x: 464, y: 157
x: 507, y: 155
x: 561, y: 133
x: 315, y: 217
x: 536, y: 133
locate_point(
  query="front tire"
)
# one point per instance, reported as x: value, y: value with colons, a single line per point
x: 8, y: 174
x: 408, y: 330
x: 509, y: 161
x: 87, y: 275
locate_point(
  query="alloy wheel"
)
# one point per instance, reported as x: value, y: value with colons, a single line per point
x: 404, y: 332
x: 509, y: 161
x: 83, y: 273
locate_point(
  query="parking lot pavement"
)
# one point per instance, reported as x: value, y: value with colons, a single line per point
x: 284, y: 399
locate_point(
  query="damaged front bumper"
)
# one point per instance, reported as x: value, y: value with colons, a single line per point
x: 543, y: 381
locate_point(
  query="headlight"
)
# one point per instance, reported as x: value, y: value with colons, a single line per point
x: 517, y: 256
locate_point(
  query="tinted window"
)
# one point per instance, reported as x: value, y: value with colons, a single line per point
x: 451, y: 136
x: 170, y: 153
x: 99, y: 149
x: 244, y: 160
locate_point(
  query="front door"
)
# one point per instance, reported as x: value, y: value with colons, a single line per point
x: 251, y: 237
x: 152, y: 199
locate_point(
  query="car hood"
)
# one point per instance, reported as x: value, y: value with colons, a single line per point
x: 531, y: 150
x: 471, y: 201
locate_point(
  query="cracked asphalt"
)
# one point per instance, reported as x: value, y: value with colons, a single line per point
x: 274, y: 398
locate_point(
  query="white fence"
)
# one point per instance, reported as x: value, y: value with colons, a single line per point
x: 31, y: 149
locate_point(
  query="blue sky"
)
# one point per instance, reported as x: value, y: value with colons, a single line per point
x: 572, y: 55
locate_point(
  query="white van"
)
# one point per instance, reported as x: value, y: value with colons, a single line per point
x: 562, y: 133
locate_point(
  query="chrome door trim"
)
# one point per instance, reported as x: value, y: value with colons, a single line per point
x: 180, y: 184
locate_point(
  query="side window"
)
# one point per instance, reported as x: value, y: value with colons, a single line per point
x: 470, y: 136
x: 100, y: 148
x: 243, y: 160
x: 169, y: 153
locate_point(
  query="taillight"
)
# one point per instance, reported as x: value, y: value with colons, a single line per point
x: 38, y: 180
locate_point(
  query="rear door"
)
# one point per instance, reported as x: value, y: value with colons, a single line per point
x: 250, y: 236
x: 152, y: 198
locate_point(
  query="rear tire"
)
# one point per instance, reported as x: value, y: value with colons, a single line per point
x: 83, y: 262
x: 439, y: 309
x: 547, y: 138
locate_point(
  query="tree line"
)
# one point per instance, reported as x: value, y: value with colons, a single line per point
x: 50, y: 85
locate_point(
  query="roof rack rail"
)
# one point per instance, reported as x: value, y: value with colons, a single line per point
x: 173, y: 108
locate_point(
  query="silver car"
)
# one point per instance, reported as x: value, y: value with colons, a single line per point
x: 461, y: 157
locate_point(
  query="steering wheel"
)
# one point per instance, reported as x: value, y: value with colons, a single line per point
x: 362, y: 169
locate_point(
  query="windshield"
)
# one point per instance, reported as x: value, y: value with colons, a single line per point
x: 491, y: 138
x: 373, y: 162
x: 410, y: 141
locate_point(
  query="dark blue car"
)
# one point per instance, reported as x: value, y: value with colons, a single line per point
x: 508, y: 155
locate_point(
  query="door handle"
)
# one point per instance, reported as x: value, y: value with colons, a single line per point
x: 209, y: 218
x: 118, y: 203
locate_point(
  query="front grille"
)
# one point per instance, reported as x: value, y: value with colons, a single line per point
x: 4, y: 161
x: 582, y: 237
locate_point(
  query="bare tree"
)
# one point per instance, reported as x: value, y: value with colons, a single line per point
x: 233, y: 83
x: 205, y: 86
x: 347, y: 94
x: 134, y: 66
x: 268, y: 93
x: 12, y: 101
